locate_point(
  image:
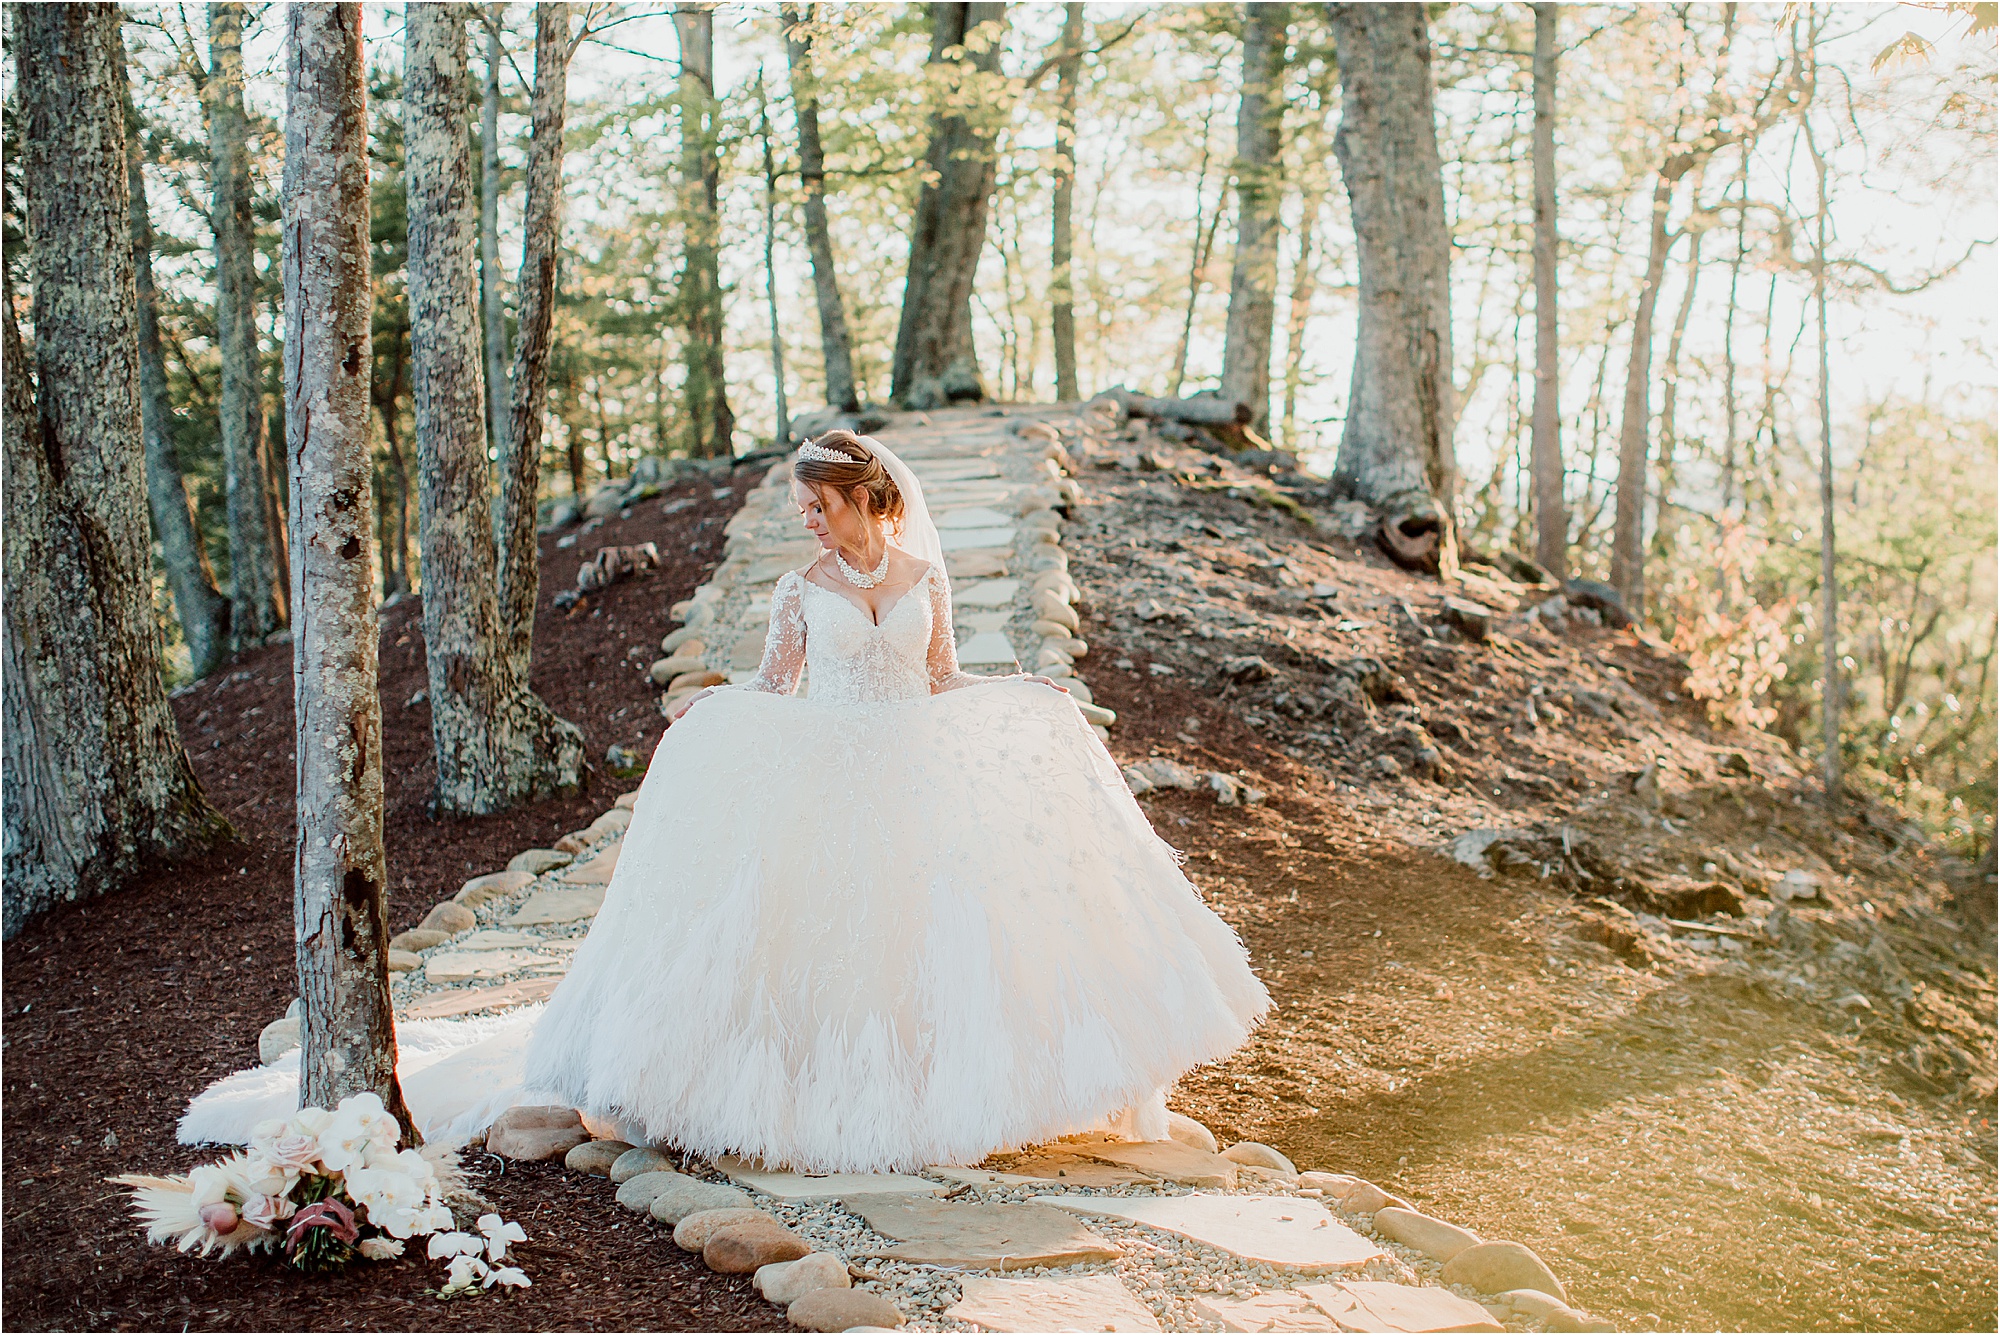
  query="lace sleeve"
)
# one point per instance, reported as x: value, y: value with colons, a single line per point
x: 945, y: 675
x: 785, y: 644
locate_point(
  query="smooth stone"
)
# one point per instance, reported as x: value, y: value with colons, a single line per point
x: 627, y: 801
x: 465, y: 1002
x: 741, y: 1249
x: 979, y: 1236
x: 536, y: 1132
x: 614, y: 821
x: 785, y: 1282
x: 572, y: 904
x: 692, y: 1195
x: 1495, y: 1267
x: 1284, y: 1310
x: 1284, y: 1231
x: 1364, y: 1197
x: 404, y: 961
x: 1433, y: 1237
x: 640, y: 1160
x: 1374, y: 1305
x: 535, y: 861
x: 597, y: 871
x: 694, y: 1231
x: 449, y: 916
x: 1335, y: 1185
x: 638, y: 1191
x: 1535, y: 1305
x: 828, y: 1186
x: 277, y: 1038
x: 492, y: 938
x: 418, y: 938
x: 1259, y: 1155
x: 458, y: 966
x: 843, y: 1309
x: 1097, y: 1302
x: 1171, y: 1160
x: 1189, y: 1132
x: 594, y: 1157
x: 492, y: 886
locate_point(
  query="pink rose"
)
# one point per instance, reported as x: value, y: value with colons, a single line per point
x: 296, y: 1153
x: 266, y: 1211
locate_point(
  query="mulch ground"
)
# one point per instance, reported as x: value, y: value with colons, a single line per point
x: 118, y: 1011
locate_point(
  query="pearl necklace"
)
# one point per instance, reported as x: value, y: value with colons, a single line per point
x: 863, y: 579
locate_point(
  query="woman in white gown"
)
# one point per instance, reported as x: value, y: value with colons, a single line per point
x: 912, y: 917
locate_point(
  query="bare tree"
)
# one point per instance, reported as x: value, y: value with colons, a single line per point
x: 1062, y: 290
x: 521, y: 449
x: 96, y: 782
x: 783, y: 432
x: 496, y: 742
x: 933, y: 359
x: 835, y: 348
x: 1253, y: 283
x: 340, y: 871
x: 201, y: 609
x: 1831, y: 685
x: 711, y: 425
x: 1551, y: 513
x: 492, y: 302
x: 1396, y: 449
x: 257, y: 578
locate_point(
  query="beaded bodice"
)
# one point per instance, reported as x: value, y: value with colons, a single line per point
x: 908, y: 655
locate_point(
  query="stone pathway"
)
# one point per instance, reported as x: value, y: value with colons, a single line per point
x: 1090, y: 1233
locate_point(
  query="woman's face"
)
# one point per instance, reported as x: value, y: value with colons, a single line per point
x: 831, y: 517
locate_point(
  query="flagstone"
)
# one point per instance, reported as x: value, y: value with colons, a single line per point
x: 986, y: 593
x: 440, y: 1005
x: 1172, y: 1160
x: 1376, y: 1306
x: 1070, y: 1169
x: 820, y: 1186
x: 492, y: 938
x: 1284, y: 1231
x: 597, y: 871
x: 458, y: 966
x: 978, y: 1235
x: 1097, y: 1302
x: 1283, y: 1310
x: 973, y: 516
x: 570, y: 904
x: 952, y: 540
x: 987, y: 648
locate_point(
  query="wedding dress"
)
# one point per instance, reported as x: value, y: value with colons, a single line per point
x: 908, y: 918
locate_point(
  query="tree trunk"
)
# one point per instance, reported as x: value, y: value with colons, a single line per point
x: 203, y: 611
x: 1253, y: 282
x: 1396, y: 448
x: 340, y: 869
x: 1298, y: 316
x: 933, y: 359
x: 521, y: 453
x: 496, y: 743
x: 1551, y: 514
x: 783, y: 433
x: 396, y: 567
x: 1062, y: 290
x: 1628, y: 556
x: 96, y: 781
x: 1204, y: 245
x: 1670, y: 383
x: 257, y: 585
x: 711, y: 425
x: 491, y: 300
x: 1832, y: 689
x: 835, y: 350
x: 1729, y: 337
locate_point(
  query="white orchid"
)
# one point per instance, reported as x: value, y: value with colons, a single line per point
x: 308, y: 1122
x: 511, y: 1276
x: 498, y: 1234
x: 455, y: 1245
x: 383, y: 1191
x: 465, y: 1272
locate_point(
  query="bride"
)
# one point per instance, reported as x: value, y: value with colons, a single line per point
x: 909, y: 918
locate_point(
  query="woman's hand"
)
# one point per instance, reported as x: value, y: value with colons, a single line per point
x: 1040, y: 680
x: 690, y: 703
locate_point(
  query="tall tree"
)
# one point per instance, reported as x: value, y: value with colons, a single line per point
x: 491, y: 300
x: 835, y: 348
x: 1062, y: 291
x: 495, y: 741
x: 257, y: 577
x: 711, y: 425
x: 933, y: 359
x: 1396, y: 449
x: 1831, y: 689
x: 521, y: 448
x: 1551, y: 514
x: 340, y: 871
x: 202, y: 610
x: 783, y: 433
x: 1253, y: 282
x: 96, y: 781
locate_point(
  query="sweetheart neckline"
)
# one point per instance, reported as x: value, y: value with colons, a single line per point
x: 901, y: 598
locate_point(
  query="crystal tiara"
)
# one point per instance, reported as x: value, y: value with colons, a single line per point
x: 825, y: 454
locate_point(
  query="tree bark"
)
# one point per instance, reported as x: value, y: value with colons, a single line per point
x: 1832, y: 688
x: 96, y: 781
x: 1062, y: 289
x: 933, y: 359
x: 1551, y: 513
x: 1670, y: 383
x: 1298, y: 316
x: 521, y: 450
x: 1253, y: 282
x: 202, y: 611
x: 496, y: 743
x: 340, y: 870
x: 257, y: 582
x: 387, y: 398
x: 1628, y: 557
x: 1396, y: 448
x: 783, y: 432
x: 711, y: 425
x: 491, y: 299
x: 835, y: 348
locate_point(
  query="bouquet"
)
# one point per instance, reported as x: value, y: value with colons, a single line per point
x: 324, y: 1188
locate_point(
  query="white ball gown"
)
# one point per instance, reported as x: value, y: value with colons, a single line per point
x: 909, y: 918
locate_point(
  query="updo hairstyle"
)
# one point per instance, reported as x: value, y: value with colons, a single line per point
x: 882, y: 498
